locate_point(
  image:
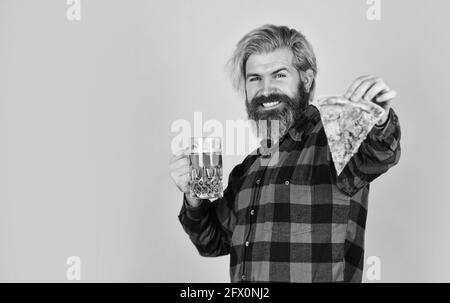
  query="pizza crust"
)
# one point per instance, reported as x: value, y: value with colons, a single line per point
x: 346, y: 124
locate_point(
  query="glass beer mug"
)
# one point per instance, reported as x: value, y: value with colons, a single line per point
x: 205, y: 154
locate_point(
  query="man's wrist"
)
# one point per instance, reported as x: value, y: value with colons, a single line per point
x: 192, y: 201
x: 195, y: 209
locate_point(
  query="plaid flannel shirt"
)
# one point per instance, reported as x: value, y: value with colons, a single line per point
x: 296, y: 221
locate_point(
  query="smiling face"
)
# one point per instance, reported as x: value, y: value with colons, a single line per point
x: 274, y: 90
x: 270, y: 73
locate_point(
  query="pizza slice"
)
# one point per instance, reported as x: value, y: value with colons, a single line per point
x: 346, y: 125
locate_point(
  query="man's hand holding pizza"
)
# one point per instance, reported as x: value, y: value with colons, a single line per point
x: 373, y: 89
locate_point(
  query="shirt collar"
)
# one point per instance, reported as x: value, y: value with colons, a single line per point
x: 309, y: 117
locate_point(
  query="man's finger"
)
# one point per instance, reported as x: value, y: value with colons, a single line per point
x: 387, y: 96
x: 185, y: 173
x: 179, y: 163
x: 186, y: 177
x: 362, y: 89
x: 184, y: 170
x: 177, y: 159
x: 377, y: 88
x: 179, y: 154
x: 355, y: 85
x: 185, y: 180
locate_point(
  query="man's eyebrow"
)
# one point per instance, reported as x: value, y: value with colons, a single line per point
x: 280, y: 70
x: 252, y: 75
x: 272, y: 73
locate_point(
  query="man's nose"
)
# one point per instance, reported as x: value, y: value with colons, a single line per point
x: 267, y: 87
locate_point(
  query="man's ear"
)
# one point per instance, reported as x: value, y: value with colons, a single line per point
x: 307, y: 77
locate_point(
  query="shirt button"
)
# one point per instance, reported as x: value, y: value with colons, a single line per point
x: 258, y: 181
x: 286, y: 182
x: 252, y: 212
x: 247, y: 243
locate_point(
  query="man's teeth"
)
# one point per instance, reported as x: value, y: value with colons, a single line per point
x: 270, y: 104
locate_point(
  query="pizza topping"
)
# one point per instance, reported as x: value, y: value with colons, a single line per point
x: 346, y: 125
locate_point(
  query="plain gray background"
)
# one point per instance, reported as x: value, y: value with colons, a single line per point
x: 86, y: 109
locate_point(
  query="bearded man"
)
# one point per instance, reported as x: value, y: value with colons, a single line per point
x: 298, y: 220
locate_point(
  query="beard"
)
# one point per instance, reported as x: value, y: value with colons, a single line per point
x: 272, y: 124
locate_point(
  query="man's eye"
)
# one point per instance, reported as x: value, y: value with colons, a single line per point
x: 254, y: 79
x: 280, y: 76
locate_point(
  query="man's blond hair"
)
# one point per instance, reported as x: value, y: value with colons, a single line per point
x: 268, y: 38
